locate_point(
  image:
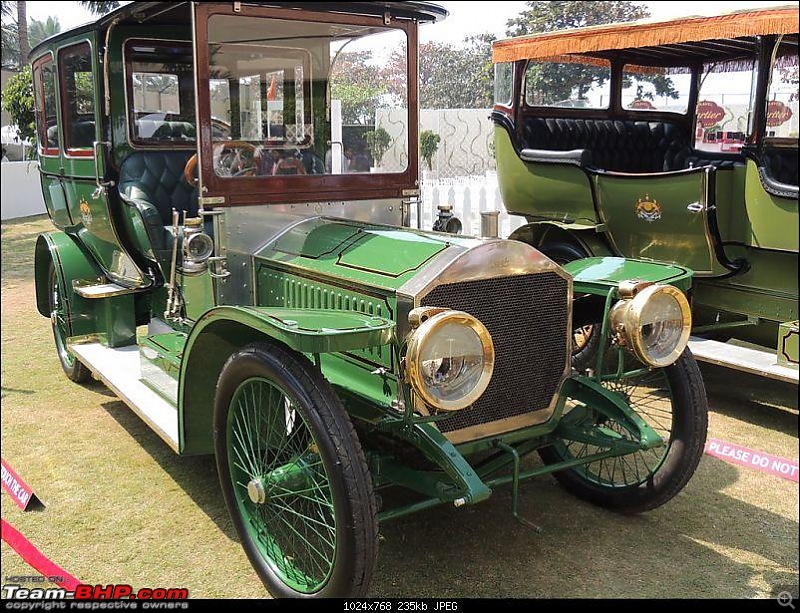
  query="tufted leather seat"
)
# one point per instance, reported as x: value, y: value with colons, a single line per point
x: 619, y: 145
x: 153, y: 182
x: 781, y: 165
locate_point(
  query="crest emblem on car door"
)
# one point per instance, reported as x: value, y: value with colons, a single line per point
x: 86, y: 211
x: 648, y: 209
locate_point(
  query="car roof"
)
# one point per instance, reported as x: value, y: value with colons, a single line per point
x: 673, y: 42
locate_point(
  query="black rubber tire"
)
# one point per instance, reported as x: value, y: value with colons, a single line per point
x: 72, y: 366
x: 561, y: 253
x: 351, y: 483
x: 687, y: 441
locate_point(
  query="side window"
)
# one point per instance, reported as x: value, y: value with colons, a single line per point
x: 783, y: 99
x: 503, y: 83
x: 160, y: 94
x: 77, y: 85
x: 568, y: 84
x: 44, y: 88
x: 724, y: 106
x: 650, y: 88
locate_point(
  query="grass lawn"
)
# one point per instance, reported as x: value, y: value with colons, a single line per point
x: 121, y: 507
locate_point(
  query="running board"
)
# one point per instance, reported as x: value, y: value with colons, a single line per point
x: 120, y: 370
x: 758, y: 362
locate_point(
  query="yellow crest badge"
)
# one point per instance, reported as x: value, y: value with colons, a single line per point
x: 648, y: 208
x: 86, y: 211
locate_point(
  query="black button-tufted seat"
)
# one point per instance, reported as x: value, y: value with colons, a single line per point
x: 153, y: 182
x: 781, y: 165
x: 156, y: 177
x: 619, y: 145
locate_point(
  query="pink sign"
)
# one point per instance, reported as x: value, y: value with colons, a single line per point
x: 757, y: 460
x: 17, y: 488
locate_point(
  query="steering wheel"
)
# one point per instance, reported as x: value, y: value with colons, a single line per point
x: 235, y: 158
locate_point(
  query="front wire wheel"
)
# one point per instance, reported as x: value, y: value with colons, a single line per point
x: 293, y: 476
x: 673, y: 402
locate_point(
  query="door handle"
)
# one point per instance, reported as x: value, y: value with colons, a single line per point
x: 695, y: 207
x: 97, y: 147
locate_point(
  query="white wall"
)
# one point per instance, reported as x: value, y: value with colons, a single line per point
x: 21, y: 194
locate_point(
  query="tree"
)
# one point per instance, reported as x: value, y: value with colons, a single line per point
x: 10, y: 40
x: 450, y: 76
x: 549, y: 83
x: 40, y: 30
x: 361, y: 86
x: 100, y: 8
x: 18, y: 103
x: 22, y: 31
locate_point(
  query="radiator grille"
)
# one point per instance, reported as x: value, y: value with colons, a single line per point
x: 527, y: 318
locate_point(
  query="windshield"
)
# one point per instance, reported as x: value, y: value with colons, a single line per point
x: 306, y: 98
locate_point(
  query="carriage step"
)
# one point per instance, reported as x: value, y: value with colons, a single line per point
x: 95, y: 289
x: 745, y: 359
x: 120, y: 370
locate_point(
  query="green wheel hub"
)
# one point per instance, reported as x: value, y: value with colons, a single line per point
x: 280, y: 484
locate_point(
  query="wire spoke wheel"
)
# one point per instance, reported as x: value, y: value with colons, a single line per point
x: 672, y: 401
x: 581, y: 337
x: 59, y: 318
x: 293, y: 475
x: 650, y: 396
x: 280, y: 483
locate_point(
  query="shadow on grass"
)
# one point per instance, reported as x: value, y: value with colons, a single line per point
x: 585, y: 551
x: 196, y: 475
x: 755, y: 400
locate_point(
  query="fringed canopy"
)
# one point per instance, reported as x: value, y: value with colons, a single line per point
x: 661, y: 43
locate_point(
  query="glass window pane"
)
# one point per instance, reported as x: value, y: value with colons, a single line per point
x: 45, y: 99
x: 302, y: 98
x: 724, y: 106
x: 160, y: 93
x: 568, y: 84
x: 782, y: 102
x: 78, y: 82
x: 503, y: 83
x: 648, y: 88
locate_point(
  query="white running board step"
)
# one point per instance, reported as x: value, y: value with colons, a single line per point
x: 745, y: 359
x: 120, y: 370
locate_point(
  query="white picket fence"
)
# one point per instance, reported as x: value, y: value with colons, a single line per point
x: 469, y: 196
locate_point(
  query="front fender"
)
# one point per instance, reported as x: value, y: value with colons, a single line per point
x: 305, y: 330
x: 602, y: 274
x: 223, y: 330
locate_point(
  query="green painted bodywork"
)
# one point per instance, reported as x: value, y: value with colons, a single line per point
x: 560, y: 192
x: 600, y: 275
x: 160, y: 358
x: 198, y: 292
x: 112, y: 319
x: 677, y: 236
x: 788, y: 351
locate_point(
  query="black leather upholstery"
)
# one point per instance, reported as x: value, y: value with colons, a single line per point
x: 579, y: 157
x: 153, y: 182
x: 156, y: 177
x: 781, y: 165
x: 620, y: 145
x: 82, y: 134
x: 164, y: 130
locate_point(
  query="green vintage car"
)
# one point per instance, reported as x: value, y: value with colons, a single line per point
x: 669, y: 141
x: 227, y: 265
